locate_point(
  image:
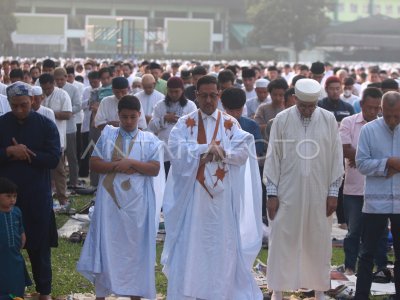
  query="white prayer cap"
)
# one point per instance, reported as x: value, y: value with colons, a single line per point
x: 37, y: 90
x: 137, y: 79
x: 262, y: 83
x: 307, y: 90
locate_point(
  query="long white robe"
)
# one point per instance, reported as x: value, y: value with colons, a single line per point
x: 120, y: 249
x: 211, y: 243
x: 302, y: 163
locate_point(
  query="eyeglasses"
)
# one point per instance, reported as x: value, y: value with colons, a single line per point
x: 304, y: 106
x: 205, y: 96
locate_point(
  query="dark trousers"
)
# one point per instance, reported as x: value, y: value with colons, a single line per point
x: 84, y: 155
x: 339, y: 209
x: 41, y: 269
x: 352, y: 211
x: 167, y: 165
x: 373, y: 227
x: 264, y: 193
x: 94, y: 135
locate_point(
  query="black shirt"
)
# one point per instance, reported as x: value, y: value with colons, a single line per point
x: 339, y: 108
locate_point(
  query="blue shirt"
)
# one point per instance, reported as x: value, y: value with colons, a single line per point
x: 252, y: 127
x: 376, y: 144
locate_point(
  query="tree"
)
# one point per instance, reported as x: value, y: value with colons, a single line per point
x: 296, y: 24
x: 8, y: 24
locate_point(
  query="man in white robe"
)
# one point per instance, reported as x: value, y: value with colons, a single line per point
x: 303, y: 172
x: 120, y: 249
x: 212, y: 205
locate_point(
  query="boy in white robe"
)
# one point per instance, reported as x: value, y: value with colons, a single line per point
x: 212, y: 205
x: 120, y: 249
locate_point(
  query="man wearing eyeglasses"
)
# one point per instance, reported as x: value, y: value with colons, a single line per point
x: 212, y: 205
x: 303, y: 174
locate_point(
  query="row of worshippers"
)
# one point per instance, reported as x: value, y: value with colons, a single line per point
x: 216, y: 166
x: 223, y: 153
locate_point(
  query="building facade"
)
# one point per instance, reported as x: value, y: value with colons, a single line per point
x: 125, y: 27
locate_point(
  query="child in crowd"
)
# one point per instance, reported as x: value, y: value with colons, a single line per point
x: 13, y: 274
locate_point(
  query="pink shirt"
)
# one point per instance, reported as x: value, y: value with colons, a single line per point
x: 349, y: 131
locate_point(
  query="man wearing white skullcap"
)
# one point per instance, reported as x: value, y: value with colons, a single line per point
x: 262, y: 97
x: 37, y: 106
x: 303, y: 172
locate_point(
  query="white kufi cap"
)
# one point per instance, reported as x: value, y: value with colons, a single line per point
x: 262, y: 83
x: 307, y: 90
x: 37, y: 90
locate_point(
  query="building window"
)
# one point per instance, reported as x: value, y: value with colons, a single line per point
x: 366, y: 9
x: 377, y: 9
x: 389, y: 9
x: 398, y: 10
x: 341, y: 7
x: 354, y: 8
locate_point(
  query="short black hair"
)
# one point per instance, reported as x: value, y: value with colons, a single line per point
x: 272, y: 68
x: 129, y: 102
x: 304, y: 68
x: 7, y: 186
x: 185, y: 74
x: 49, y: 63
x: 46, y: 78
x: 348, y: 81
x: 317, y: 68
x: 288, y: 93
x: 105, y: 70
x: 232, y: 68
x: 375, y: 85
x: 206, y: 79
x: 372, y: 92
x: 296, y: 78
x: 248, y: 73
x: 79, y: 78
x: 233, y: 98
x: 94, y: 75
x: 70, y: 70
x: 199, y: 70
x: 153, y: 65
x: 14, y: 62
x: 16, y: 73
x: 279, y: 83
x: 387, y: 84
x: 225, y: 76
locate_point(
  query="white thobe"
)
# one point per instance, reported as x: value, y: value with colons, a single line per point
x: 120, y: 249
x: 302, y: 162
x: 108, y: 112
x: 148, y: 102
x: 211, y: 243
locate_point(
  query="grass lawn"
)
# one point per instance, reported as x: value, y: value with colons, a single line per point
x: 66, y: 280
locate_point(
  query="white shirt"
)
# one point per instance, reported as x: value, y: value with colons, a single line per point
x: 353, y: 98
x: 57, y: 101
x: 47, y: 112
x: 86, y: 109
x: 3, y: 88
x: 4, y: 105
x: 149, y: 101
x: 251, y: 94
x: 108, y: 112
x: 80, y: 86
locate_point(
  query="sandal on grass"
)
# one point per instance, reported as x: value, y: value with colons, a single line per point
x: 76, y: 237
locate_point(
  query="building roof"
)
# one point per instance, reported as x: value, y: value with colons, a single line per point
x: 373, y: 32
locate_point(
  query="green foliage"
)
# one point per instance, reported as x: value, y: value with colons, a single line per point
x: 296, y: 24
x: 8, y: 24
